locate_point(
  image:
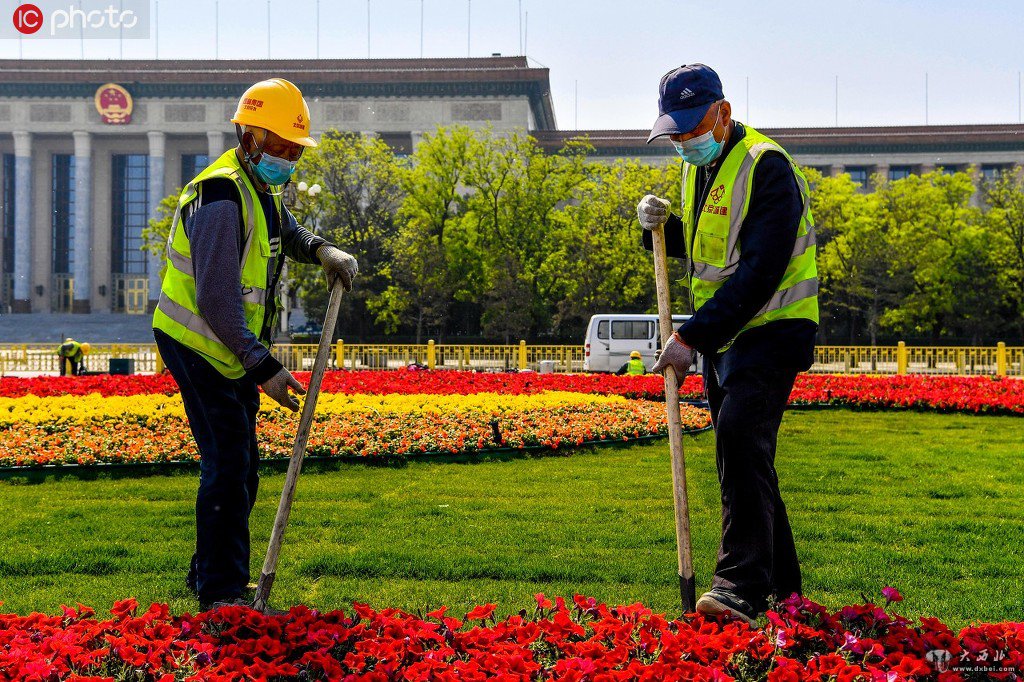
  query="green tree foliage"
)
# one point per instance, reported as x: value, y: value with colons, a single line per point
x: 927, y: 256
x: 485, y: 235
x: 156, y: 234
x: 358, y: 206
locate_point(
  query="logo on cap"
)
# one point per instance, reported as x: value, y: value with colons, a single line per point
x: 686, y: 93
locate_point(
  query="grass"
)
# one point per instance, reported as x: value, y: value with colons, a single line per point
x: 928, y: 503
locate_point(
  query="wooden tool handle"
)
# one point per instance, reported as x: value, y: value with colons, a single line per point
x: 687, y: 584
x: 284, y: 508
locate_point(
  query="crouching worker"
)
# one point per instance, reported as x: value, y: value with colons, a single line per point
x: 70, y: 354
x: 216, y: 315
x: 635, y: 366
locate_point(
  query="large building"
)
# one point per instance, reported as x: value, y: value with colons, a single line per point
x: 895, y: 151
x: 89, y: 148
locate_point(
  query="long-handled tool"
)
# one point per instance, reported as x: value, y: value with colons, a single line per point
x: 298, y: 452
x: 687, y: 585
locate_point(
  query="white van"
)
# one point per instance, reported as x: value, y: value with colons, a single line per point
x: 612, y: 337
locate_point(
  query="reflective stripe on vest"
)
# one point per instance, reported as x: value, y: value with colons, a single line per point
x: 712, y: 233
x: 177, y: 313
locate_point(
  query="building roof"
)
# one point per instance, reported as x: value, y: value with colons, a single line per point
x: 851, y: 140
x: 486, y: 76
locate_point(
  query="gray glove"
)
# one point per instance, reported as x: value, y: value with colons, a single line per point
x: 277, y: 388
x: 337, y: 264
x: 652, y: 212
x: 677, y: 356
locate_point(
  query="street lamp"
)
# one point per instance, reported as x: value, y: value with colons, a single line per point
x: 307, y: 207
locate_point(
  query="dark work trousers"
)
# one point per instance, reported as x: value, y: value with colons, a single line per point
x: 222, y: 415
x: 757, y: 556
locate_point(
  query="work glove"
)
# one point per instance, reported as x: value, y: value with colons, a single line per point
x: 652, y: 212
x: 677, y: 356
x: 337, y: 264
x: 277, y: 388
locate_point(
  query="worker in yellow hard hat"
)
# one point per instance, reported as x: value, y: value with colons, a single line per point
x: 69, y: 356
x: 634, y: 367
x: 217, y: 312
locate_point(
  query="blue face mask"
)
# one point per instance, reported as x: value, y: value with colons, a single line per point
x: 701, y: 150
x: 273, y: 170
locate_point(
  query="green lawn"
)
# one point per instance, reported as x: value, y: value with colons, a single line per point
x: 928, y: 503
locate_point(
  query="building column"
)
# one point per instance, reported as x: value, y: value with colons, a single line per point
x: 926, y: 168
x: 417, y: 139
x: 882, y: 168
x: 214, y: 144
x: 836, y: 169
x: 22, y: 302
x: 157, y: 145
x: 81, y: 268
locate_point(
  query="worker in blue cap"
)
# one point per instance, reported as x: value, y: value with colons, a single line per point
x: 746, y: 232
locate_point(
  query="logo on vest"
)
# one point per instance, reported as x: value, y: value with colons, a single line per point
x: 715, y: 196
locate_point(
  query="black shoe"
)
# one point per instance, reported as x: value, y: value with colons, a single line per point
x: 719, y: 602
x: 220, y: 603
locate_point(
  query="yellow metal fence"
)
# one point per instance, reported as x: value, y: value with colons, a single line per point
x: 21, y: 358
x: 999, y: 360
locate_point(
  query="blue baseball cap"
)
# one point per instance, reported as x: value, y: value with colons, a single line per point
x: 685, y: 95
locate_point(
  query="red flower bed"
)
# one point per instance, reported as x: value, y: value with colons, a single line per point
x: 961, y: 394
x: 953, y: 394
x: 552, y: 640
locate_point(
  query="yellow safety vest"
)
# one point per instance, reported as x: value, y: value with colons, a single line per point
x: 176, y: 313
x: 636, y: 367
x: 72, y: 351
x: 713, y: 243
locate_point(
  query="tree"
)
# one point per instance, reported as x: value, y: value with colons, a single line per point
x: 514, y: 210
x: 359, y: 202
x: 1004, y: 198
x: 424, y: 269
x: 598, y: 252
x: 158, y: 231
x: 853, y: 255
x: 937, y: 263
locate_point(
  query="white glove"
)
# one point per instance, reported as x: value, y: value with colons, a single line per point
x: 337, y: 264
x: 676, y: 355
x: 652, y: 212
x: 277, y: 388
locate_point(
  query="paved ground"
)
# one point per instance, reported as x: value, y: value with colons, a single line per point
x: 95, y: 328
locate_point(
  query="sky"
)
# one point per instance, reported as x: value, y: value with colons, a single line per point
x: 606, y: 57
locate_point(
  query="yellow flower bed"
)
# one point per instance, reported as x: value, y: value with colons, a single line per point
x: 31, y: 409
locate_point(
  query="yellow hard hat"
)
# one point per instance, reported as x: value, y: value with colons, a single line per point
x: 278, y: 106
x: 69, y: 340
x: 635, y: 355
x: 85, y: 348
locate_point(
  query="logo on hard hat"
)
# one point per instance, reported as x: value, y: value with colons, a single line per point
x: 251, y: 104
x: 300, y: 125
x: 114, y: 104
